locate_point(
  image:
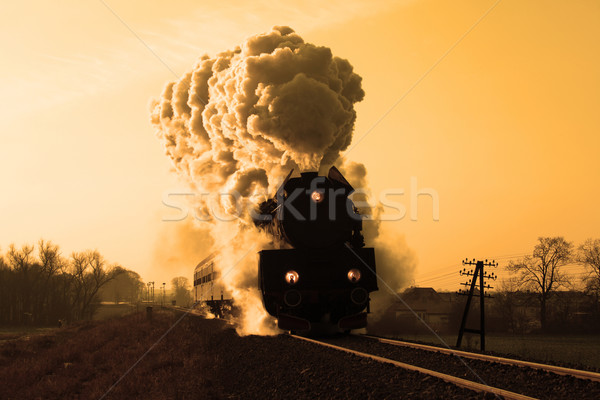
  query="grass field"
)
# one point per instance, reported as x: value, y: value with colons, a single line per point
x: 10, y: 333
x: 85, y: 360
x: 561, y: 349
x: 105, y: 311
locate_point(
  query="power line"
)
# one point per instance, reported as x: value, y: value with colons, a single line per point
x: 435, y: 277
x: 442, y: 278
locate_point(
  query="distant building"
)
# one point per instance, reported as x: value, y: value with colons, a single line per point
x: 437, y: 310
x: 513, y: 312
x: 433, y: 308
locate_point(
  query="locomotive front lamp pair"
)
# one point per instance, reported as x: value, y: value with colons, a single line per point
x: 292, y: 277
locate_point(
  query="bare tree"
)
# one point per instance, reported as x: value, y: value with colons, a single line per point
x: 6, y: 294
x: 541, y: 272
x: 50, y: 259
x: 47, y: 288
x: 125, y: 286
x: 48, y: 298
x: 181, y: 291
x: 588, y: 254
x: 21, y: 262
x: 89, y: 275
x: 510, y: 304
x: 31, y: 289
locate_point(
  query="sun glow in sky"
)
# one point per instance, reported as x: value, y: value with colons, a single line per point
x: 494, y: 105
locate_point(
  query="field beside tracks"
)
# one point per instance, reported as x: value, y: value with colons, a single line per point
x: 85, y: 360
x: 581, y: 351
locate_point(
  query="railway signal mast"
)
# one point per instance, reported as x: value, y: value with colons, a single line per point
x: 481, y: 274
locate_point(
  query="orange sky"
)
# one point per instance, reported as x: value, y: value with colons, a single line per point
x: 504, y: 127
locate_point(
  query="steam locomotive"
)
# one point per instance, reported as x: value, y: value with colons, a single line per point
x: 319, y: 276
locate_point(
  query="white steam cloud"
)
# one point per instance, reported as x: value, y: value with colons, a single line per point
x: 251, y: 114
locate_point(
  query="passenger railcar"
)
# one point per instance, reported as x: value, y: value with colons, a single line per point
x: 208, y: 290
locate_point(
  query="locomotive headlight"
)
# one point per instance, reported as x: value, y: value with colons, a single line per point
x: 317, y: 196
x: 292, y: 277
x: 354, y: 275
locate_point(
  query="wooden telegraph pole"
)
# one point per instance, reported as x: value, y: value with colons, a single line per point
x: 478, y: 273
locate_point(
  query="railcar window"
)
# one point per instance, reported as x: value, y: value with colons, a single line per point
x: 205, y: 274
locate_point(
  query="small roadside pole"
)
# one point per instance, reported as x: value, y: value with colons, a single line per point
x: 478, y: 273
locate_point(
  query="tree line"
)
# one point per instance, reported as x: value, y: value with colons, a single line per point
x: 38, y: 286
x: 543, y: 271
x: 181, y: 293
x: 538, y: 295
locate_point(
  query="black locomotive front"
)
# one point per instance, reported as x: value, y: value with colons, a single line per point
x: 321, y: 275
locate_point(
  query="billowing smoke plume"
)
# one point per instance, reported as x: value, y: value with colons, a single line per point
x: 238, y: 123
x: 240, y: 119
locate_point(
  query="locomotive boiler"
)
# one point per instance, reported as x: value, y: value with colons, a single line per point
x: 319, y: 275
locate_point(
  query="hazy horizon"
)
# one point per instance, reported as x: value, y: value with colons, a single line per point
x: 499, y: 120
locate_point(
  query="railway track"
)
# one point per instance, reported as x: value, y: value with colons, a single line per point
x: 576, y: 373
x: 445, y: 377
x: 502, y: 377
x: 495, y: 376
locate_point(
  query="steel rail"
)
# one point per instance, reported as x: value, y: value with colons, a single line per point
x: 447, y: 378
x: 577, y: 373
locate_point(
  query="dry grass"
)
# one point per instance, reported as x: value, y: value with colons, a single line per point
x: 85, y: 360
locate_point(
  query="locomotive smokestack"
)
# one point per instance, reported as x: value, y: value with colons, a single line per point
x: 309, y: 176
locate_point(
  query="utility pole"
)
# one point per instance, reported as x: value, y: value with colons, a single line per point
x: 481, y: 274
